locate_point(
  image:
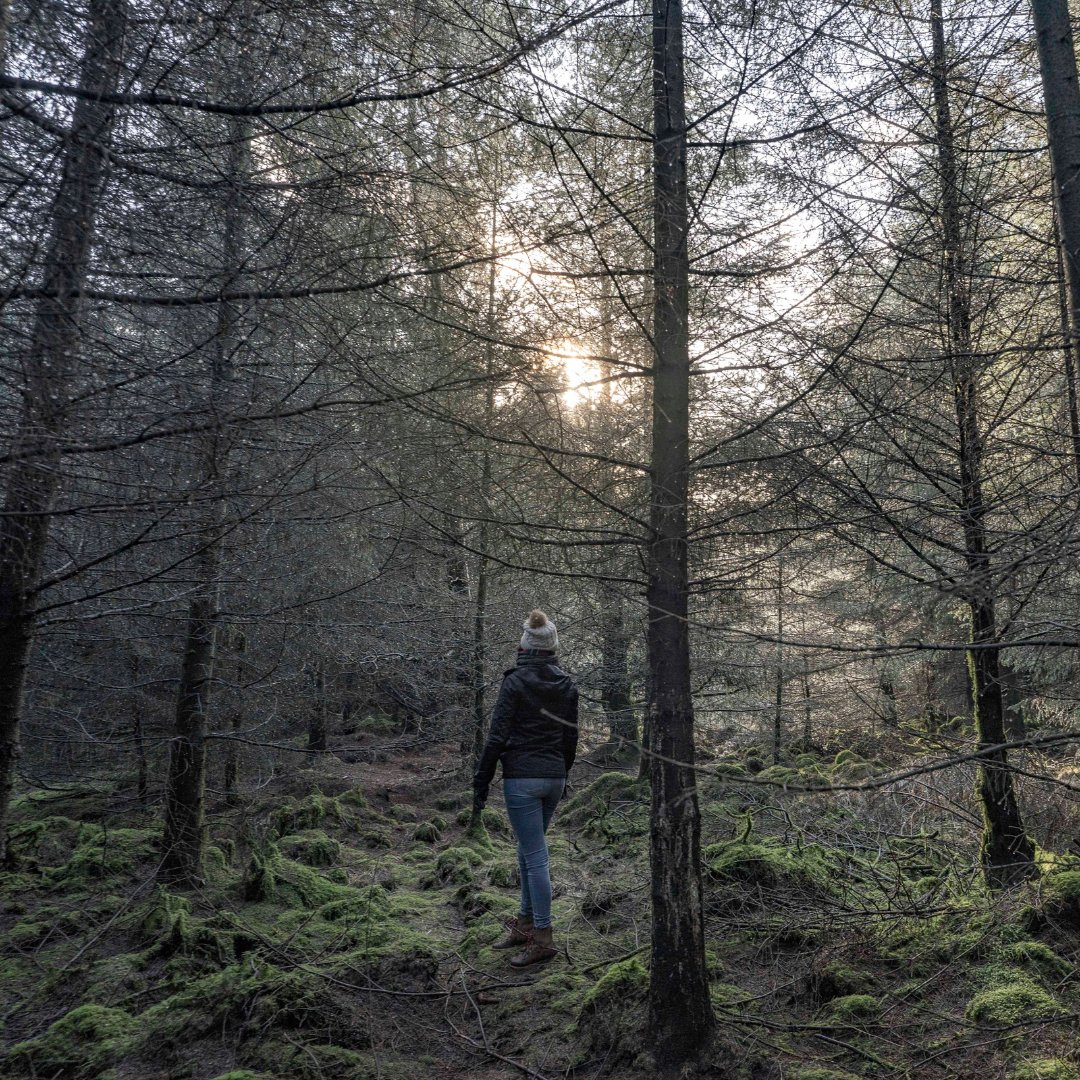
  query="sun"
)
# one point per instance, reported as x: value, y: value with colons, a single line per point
x: 582, y: 376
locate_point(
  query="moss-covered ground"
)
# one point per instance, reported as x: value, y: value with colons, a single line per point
x: 349, y: 936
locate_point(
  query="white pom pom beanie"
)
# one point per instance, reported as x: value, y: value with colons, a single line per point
x: 540, y: 633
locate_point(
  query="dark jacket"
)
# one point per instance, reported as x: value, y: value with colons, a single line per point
x: 534, y: 728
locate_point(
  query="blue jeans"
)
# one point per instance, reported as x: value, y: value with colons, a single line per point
x: 530, y: 803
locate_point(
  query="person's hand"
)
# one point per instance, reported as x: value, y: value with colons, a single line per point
x: 479, y: 797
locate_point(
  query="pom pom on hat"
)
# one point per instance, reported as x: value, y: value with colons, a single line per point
x: 540, y: 632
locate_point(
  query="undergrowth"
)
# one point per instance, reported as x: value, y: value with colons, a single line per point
x: 335, y: 940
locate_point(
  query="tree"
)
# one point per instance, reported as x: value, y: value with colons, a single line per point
x: 680, y: 1012
x: 35, y: 478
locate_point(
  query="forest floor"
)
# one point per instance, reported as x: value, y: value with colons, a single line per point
x: 345, y: 925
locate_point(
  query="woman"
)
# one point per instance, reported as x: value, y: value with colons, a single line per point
x: 534, y: 734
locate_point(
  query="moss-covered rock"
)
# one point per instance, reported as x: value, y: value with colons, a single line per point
x: 594, y: 803
x: 781, y: 774
x: 80, y: 1046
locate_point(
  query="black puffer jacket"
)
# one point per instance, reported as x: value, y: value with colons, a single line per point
x: 534, y: 728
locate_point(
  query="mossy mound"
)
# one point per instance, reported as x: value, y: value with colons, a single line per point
x: 853, y: 1008
x: 243, y: 997
x: 835, y: 979
x: 590, y: 807
x: 101, y: 853
x: 80, y: 1046
x: 312, y: 848
x: 456, y: 865
x: 317, y: 809
x: 1045, y: 1069
x: 623, y: 980
x: 1013, y: 999
x: 1061, y: 896
x: 1037, y: 958
x: 766, y: 865
x: 325, y: 1061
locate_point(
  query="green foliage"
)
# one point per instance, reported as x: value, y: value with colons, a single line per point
x: 781, y: 774
x: 820, y: 1074
x: 1045, y: 1069
x: 322, y: 1061
x: 79, y: 1046
x: 495, y: 822
x: 595, y: 801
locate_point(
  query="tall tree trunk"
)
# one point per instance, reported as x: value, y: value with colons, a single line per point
x: 680, y: 1012
x: 34, y: 481
x: 1007, y: 852
x: 479, y: 652
x: 1061, y: 93
x: 317, y: 716
x: 184, y: 828
x: 615, y: 634
x: 778, y: 704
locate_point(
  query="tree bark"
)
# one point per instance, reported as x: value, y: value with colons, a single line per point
x: 183, y: 842
x: 317, y: 718
x: 680, y: 1013
x: 1007, y: 852
x: 1061, y: 94
x: 34, y: 481
x: 778, y: 704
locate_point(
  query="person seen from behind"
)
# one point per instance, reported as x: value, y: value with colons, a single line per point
x: 534, y: 733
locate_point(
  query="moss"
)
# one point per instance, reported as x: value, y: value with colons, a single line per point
x: 503, y: 875
x: 729, y: 768
x: 1061, y: 895
x: 854, y: 1008
x: 495, y: 822
x: 767, y: 864
x: 311, y: 812
x: 243, y: 1074
x: 376, y: 838
x: 780, y: 774
x: 1014, y: 998
x: 806, y: 761
x: 43, y: 842
x: 312, y: 848
x: 449, y: 802
x: 245, y: 995
x: 454, y: 866
x: 315, y: 1061
x: 596, y: 799
x: 836, y: 980
x: 82, y: 1044
x: 847, y: 757
x: 622, y: 981
x: 1038, y: 958
x: 1045, y: 1069
x: 103, y: 853
x: 427, y: 832
x: 820, y: 1074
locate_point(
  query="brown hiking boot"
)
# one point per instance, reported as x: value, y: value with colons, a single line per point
x: 518, y: 930
x: 538, y: 949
